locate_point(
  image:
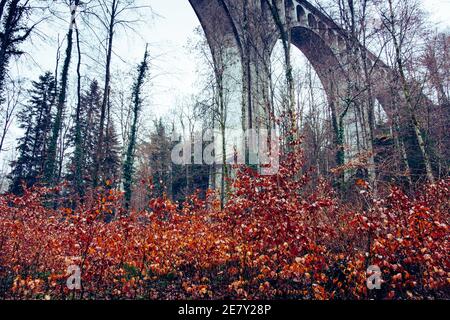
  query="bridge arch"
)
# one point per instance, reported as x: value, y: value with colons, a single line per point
x: 319, y: 38
x: 322, y: 58
x: 300, y: 13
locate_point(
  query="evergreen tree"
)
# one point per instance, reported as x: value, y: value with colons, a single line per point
x: 36, y: 121
x: 160, y: 161
x: 88, y: 125
x: 169, y: 178
x: 111, y: 161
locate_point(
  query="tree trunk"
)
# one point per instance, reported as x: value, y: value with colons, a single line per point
x: 100, y: 147
x: 78, y: 154
x: 129, y: 161
x: 50, y: 166
x: 409, y: 103
x: 285, y: 36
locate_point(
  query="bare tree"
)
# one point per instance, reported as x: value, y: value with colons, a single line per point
x: 436, y: 60
x: 8, y: 110
x: 283, y: 25
x: 110, y: 14
x: 214, y: 98
x: 51, y: 172
x: 401, y: 19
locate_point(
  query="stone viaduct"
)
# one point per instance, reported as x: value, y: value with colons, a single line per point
x: 246, y: 30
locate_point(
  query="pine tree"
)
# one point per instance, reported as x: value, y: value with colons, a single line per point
x: 36, y: 121
x: 160, y: 161
x: 88, y: 130
x: 111, y: 161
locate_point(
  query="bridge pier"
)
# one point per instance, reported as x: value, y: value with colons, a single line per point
x: 247, y: 30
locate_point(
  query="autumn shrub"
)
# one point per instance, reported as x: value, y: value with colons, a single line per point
x: 277, y: 237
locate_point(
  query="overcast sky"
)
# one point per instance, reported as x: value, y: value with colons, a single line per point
x: 170, y: 31
x: 173, y: 69
x: 167, y: 34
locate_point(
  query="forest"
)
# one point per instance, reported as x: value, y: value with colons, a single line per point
x: 304, y: 154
